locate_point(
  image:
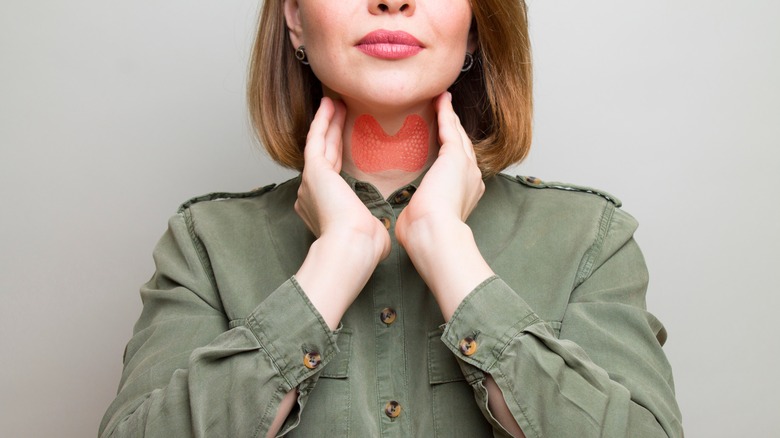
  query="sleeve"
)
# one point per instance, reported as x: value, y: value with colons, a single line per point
x: 604, y: 376
x: 186, y: 374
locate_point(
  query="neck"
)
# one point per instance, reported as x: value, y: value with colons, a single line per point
x: 389, y: 148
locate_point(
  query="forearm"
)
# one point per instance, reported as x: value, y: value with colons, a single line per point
x: 323, y: 278
x: 452, y: 268
x: 185, y: 404
x: 550, y: 384
x: 331, y: 292
x: 448, y: 260
x: 177, y: 383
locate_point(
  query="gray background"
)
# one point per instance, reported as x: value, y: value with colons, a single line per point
x: 112, y: 113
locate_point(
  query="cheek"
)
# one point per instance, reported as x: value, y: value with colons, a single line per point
x: 323, y: 38
x: 319, y: 27
x: 453, y: 20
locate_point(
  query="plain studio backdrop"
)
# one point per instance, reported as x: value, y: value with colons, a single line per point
x: 113, y: 113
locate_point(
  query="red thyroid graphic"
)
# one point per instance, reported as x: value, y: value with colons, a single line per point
x: 374, y: 151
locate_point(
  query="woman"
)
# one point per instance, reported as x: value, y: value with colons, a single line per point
x: 398, y: 286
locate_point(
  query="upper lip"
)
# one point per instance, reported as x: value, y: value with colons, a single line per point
x: 383, y: 36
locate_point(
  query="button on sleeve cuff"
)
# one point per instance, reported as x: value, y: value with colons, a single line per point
x: 291, y: 330
x: 488, y: 319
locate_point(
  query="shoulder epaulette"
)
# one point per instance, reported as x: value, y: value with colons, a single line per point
x: 537, y: 183
x: 218, y: 196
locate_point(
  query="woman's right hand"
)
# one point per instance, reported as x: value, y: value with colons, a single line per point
x: 350, y: 240
x: 325, y: 202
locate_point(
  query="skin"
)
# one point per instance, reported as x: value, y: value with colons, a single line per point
x: 373, y: 150
x: 432, y: 227
x: 387, y: 90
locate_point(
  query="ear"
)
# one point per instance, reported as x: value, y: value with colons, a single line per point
x: 473, y: 41
x: 292, y: 16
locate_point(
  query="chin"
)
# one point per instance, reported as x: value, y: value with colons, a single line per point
x: 396, y: 88
x: 379, y: 99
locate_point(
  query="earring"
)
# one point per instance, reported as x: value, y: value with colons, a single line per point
x: 300, y: 55
x: 468, y: 63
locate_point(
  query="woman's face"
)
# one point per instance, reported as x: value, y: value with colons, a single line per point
x: 388, y: 53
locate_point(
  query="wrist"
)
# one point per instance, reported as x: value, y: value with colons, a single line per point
x: 322, y: 274
x: 448, y: 259
x: 414, y: 234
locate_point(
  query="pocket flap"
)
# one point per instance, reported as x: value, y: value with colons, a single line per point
x: 442, y: 365
x: 338, y: 367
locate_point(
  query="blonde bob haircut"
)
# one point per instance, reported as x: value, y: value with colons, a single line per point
x: 493, y: 99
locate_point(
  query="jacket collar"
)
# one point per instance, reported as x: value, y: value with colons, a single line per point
x: 369, y: 194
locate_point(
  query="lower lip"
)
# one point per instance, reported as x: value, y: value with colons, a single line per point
x: 389, y: 51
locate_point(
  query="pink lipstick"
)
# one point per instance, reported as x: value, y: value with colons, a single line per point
x: 388, y: 44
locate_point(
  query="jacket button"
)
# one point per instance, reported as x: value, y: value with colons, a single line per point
x: 312, y: 360
x: 392, y: 409
x: 402, y: 196
x: 385, y: 222
x: 468, y: 346
x: 387, y: 315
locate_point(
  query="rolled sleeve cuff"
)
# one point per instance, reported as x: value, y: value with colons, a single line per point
x: 487, y: 320
x: 289, y: 328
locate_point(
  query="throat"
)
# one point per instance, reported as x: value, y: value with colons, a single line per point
x: 373, y: 150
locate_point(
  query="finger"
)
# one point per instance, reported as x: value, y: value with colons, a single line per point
x: 465, y: 141
x: 315, y: 139
x: 448, y: 123
x: 468, y: 146
x: 333, y: 140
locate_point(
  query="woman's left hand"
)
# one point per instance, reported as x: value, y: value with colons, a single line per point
x: 432, y: 227
x: 453, y: 185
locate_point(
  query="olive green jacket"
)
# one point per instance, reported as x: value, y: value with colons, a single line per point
x: 226, y: 331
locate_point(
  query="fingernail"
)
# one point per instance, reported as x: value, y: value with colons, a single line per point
x: 449, y: 96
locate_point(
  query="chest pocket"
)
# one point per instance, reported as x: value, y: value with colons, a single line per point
x: 455, y: 411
